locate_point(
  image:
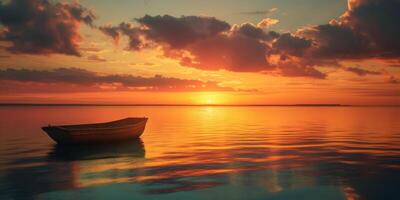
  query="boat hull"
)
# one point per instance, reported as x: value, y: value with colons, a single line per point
x: 63, y: 135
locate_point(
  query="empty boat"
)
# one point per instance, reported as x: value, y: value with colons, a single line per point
x: 119, y: 130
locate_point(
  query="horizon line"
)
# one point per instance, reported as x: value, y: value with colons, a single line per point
x: 216, y: 105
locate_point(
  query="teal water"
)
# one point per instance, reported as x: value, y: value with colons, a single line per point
x: 206, y: 153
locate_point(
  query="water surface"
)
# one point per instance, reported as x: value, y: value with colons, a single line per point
x: 206, y: 153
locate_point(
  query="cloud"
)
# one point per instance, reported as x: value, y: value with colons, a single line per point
x: 170, y: 32
x: 198, y: 42
x: 296, y: 70
x: 376, y: 92
x: 393, y: 80
x: 43, y: 27
x: 361, y: 72
x: 292, y: 45
x: 81, y: 79
x: 377, y: 21
x: 260, y: 12
x: 208, y: 44
x: 115, y: 32
x: 235, y: 52
x: 251, y: 31
x: 180, y: 32
x: 95, y: 57
x: 334, y: 42
x: 267, y: 22
x: 367, y: 30
x: 90, y: 49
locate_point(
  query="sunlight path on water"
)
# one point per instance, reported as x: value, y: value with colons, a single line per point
x: 207, y: 153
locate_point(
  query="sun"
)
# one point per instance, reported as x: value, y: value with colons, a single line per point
x: 210, y: 98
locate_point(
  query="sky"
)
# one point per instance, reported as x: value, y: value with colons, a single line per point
x: 200, y: 52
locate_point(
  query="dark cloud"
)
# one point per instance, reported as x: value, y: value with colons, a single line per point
x: 360, y: 71
x: 368, y: 29
x: 200, y: 42
x: 378, y: 21
x: 297, y: 70
x: 81, y: 77
x: 181, y: 32
x: 66, y: 75
x: 376, y: 92
x: 112, y: 31
x: 254, y: 32
x: 293, y: 45
x: 393, y: 80
x: 43, y: 27
x: 335, y: 42
x: 234, y: 53
x: 128, y: 29
x: 207, y: 43
x: 171, y: 32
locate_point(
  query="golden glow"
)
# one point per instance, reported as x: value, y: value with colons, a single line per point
x: 210, y: 98
x: 340, y: 87
x: 220, y: 136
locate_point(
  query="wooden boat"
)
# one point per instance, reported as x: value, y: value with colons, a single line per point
x: 120, y: 130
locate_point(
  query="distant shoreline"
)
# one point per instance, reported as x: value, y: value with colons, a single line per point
x: 199, y: 105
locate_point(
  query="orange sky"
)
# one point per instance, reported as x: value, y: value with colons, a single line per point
x: 169, y: 56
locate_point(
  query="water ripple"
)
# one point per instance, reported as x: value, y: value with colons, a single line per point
x: 273, y: 151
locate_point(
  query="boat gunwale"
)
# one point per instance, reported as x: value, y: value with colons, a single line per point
x: 75, y: 132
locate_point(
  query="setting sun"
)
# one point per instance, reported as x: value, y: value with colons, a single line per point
x: 210, y: 98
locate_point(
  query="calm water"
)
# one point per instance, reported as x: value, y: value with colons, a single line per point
x: 207, y: 153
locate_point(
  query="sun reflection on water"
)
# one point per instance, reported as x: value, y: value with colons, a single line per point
x: 273, y: 150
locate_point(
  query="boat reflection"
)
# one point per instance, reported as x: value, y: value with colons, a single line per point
x: 64, y: 168
x: 134, y: 148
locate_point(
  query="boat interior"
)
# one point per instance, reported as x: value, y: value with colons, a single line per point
x: 112, y: 124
